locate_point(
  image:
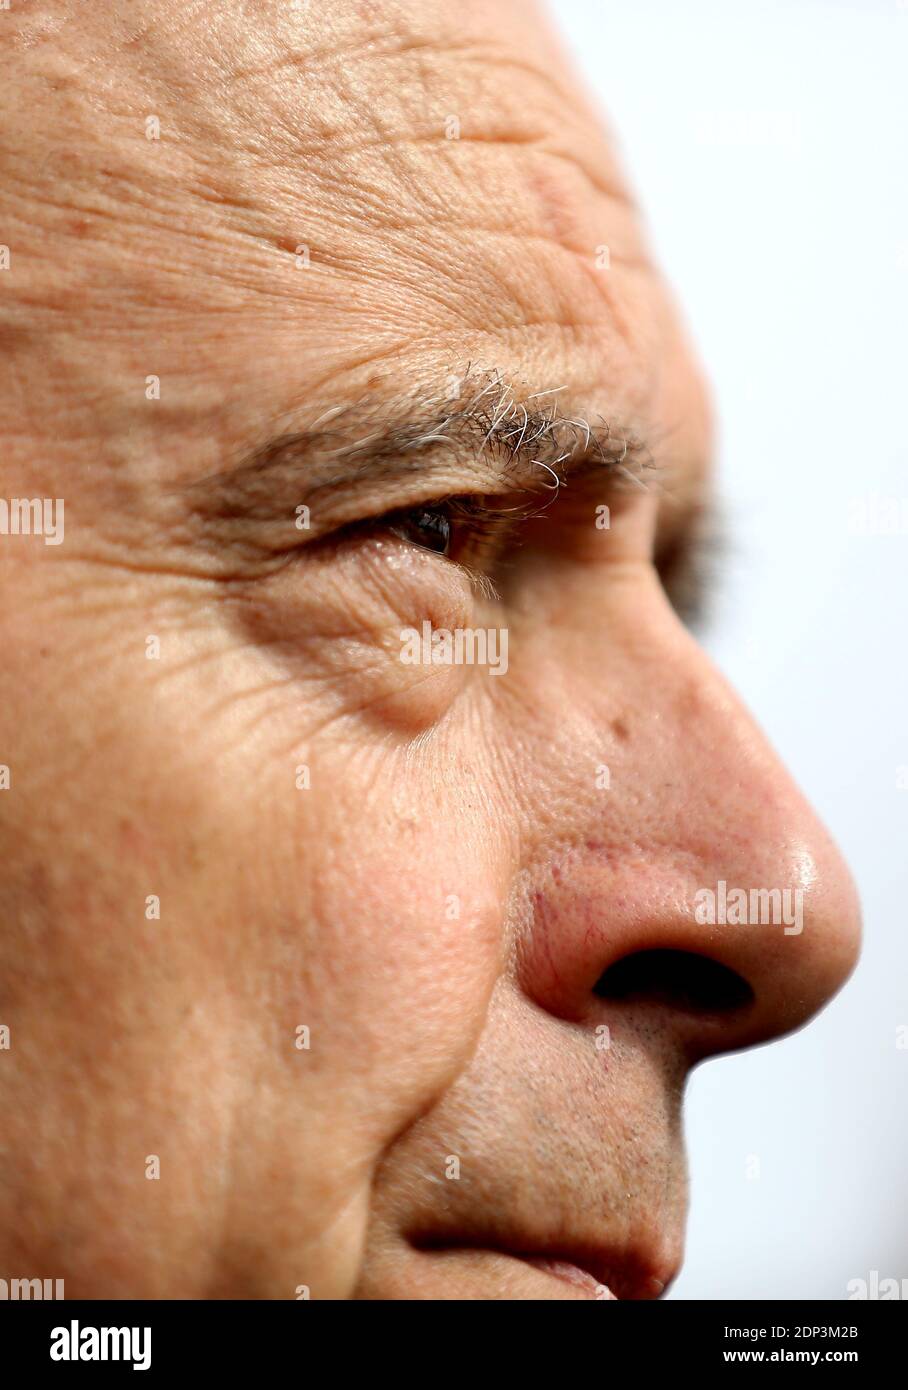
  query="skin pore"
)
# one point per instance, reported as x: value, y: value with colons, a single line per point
x: 327, y: 935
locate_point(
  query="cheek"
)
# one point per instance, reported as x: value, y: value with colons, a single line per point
x: 345, y: 628
x: 406, y: 938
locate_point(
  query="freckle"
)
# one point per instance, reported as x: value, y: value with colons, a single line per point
x: 620, y: 730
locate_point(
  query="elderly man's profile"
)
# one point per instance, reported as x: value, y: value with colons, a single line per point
x: 380, y: 848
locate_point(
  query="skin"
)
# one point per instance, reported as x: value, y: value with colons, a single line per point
x: 431, y: 1036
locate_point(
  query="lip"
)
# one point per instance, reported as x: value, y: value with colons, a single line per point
x: 571, y: 1273
x: 604, y: 1277
x: 603, y: 1274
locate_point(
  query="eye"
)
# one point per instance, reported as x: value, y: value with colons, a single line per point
x: 429, y: 527
x: 471, y: 530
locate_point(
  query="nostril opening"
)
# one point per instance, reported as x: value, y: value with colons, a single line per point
x: 679, y: 979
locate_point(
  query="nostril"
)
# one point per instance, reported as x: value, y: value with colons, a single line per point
x: 678, y: 979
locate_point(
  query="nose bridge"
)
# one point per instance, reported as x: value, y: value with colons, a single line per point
x: 686, y: 835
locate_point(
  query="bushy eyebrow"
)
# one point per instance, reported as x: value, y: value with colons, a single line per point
x: 482, y: 433
x: 501, y: 437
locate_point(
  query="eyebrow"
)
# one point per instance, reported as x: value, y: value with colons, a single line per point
x: 493, y: 435
x: 482, y: 433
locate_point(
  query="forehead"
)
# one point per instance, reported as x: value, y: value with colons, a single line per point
x: 299, y: 203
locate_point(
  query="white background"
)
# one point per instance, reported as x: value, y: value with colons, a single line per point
x: 768, y: 143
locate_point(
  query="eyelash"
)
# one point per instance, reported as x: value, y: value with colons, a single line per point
x: 480, y: 529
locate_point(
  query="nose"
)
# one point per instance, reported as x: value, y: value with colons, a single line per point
x: 687, y: 882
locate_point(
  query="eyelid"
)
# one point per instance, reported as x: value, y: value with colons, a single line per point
x: 530, y: 488
x: 469, y: 510
x: 486, y: 531
x: 490, y: 519
x: 483, y: 529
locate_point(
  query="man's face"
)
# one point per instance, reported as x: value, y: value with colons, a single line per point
x: 325, y: 964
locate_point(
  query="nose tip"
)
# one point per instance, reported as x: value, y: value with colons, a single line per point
x: 798, y: 947
x: 792, y: 939
x: 723, y: 955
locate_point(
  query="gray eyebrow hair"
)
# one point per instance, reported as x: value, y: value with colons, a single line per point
x: 483, y: 419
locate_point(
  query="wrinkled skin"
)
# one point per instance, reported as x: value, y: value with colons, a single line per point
x: 432, y: 1036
